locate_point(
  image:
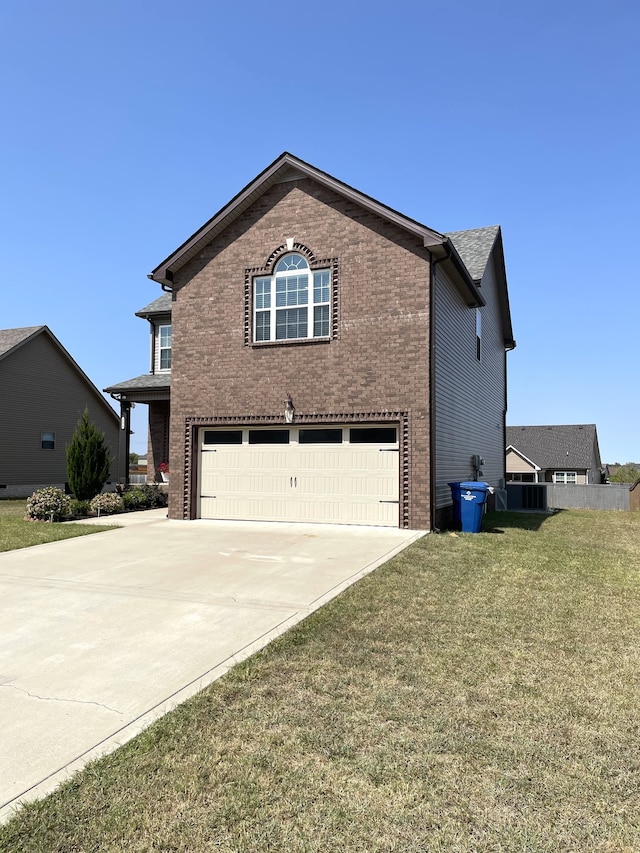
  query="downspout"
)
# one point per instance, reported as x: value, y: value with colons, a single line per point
x: 507, y: 349
x: 432, y: 384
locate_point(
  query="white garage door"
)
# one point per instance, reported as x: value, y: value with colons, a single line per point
x: 332, y: 474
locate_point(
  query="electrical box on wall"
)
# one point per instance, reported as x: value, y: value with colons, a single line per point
x: 477, y: 462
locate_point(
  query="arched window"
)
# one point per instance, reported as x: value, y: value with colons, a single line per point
x: 293, y: 303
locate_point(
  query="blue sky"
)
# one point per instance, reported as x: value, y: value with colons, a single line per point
x: 129, y: 124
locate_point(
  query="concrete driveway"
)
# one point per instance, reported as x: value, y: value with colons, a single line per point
x: 104, y: 634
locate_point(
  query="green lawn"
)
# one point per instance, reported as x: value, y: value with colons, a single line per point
x: 477, y: 693
x: 15, y: 532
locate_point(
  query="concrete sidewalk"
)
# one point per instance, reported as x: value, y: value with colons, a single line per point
x: 103, y: 634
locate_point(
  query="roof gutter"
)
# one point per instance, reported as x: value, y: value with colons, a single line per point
x: 166, y: 282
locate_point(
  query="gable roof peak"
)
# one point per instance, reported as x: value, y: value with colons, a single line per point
x: 475, y: 246
x: 12, y: 338
x: 273, y: 174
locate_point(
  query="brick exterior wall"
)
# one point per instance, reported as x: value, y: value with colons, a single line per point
x: 377, y: 361
x: 158, y: 442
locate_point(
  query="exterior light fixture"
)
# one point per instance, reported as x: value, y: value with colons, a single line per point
x: 289, y: 410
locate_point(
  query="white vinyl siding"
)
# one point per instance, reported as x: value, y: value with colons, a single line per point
x: 469, y: 392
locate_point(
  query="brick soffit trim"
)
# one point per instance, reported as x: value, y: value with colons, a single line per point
x: 193, y: 423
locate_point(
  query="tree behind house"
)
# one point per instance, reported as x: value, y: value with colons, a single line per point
x: 627, y: 473
x: 88, y: 460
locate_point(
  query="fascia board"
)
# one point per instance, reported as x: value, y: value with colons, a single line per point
x: 523, y: 457
x: 503, y: 292
x: 163, y: 273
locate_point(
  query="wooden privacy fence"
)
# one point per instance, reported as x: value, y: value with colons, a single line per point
x: 543, y: 496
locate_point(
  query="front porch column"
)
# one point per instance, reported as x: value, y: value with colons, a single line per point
x: 124, y: 443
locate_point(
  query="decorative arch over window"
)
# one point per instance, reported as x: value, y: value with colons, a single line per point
x: 292, y: 298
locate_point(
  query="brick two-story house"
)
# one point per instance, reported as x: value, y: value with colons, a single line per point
x: 318, y: 356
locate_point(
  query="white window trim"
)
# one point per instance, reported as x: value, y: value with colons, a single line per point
x: 564, y: 475
x: 273, y: 308
x: 161, y: 349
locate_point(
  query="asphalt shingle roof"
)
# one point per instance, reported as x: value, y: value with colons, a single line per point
x: 146, y: 382
x: 474, y: 247
x: 161, y: 305
x: 10, y: 338
x: 555, y: 446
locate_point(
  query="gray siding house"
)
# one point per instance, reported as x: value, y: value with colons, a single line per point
x: 470, y: 366
x: 567, y: 454
x: 318, y: 356
x: 44, y: 393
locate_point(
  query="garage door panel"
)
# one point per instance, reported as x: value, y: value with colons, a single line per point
x: 334, y: 483
x: 269, y: 508
x: 332, y: 511
x: 347, y: 485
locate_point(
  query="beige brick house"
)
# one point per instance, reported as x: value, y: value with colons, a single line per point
x: 318, y: 356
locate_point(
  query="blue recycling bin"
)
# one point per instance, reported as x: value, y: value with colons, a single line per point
x: 469, y: 498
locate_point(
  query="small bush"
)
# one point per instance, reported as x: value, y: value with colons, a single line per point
x: 49, y: 504
x: 146, y: 496
x: 153, y: 496
x: 134, y: 499
x: 79, y: 508
x: 106, y: 503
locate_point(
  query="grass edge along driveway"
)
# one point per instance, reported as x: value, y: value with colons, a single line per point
x: 476, y: 693
x: 16, y: 532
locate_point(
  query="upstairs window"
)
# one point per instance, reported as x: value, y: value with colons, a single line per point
x: 164, y: 347
x: 293, y: 303
x: 478, y: 334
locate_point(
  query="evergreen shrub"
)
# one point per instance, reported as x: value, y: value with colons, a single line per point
x: 88, y: 461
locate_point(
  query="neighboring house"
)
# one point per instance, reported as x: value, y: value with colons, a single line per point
x: 567, y: 454
x: 44, y: 393
x: 327, y: 359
